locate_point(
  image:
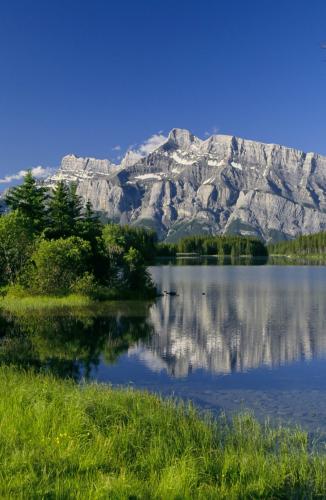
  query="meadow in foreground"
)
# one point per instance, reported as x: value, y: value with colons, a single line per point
x: 63, y: 440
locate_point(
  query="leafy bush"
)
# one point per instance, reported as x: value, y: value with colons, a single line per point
x: 88, y: 286
x: 58, y: 264
x: 135, y: 275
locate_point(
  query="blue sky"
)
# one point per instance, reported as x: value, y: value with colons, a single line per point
x: 85, y: 77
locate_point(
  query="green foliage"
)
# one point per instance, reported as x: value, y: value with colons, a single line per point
x: 16, y: 245
x: 119, y: 239
x: 166, y: 249
x: 88, y: 286
x: 72, y: 251
x: 63, y: 440
x: 18, y: 300
x: 234, y: 246
x: 70, y: 338
x: 64, y: 211
x: 30, y: 200
x: 129, y: 249
x: 85, y: 285
x: 58, y: 264
x: 310, y: 244
x: 89, y: 226
x: 135, y: 275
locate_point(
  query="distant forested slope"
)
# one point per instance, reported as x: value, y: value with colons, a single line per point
x: 215, y: 245
x: 310, y: 244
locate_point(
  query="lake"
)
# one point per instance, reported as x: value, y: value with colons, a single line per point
x: 234, y: 337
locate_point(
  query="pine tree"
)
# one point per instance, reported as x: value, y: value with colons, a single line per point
x: 29, y: 199
x: 64, y: 211
x: 75, y: 203
x: 60, y: 213
x: 89, y: 225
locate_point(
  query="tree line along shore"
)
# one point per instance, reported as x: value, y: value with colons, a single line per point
x: 53, y: 245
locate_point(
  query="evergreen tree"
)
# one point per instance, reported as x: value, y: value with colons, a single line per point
x: 16, y: 246
x: 75, y: 203
x: 64, y: 211
x: 59, y: 212
x: 309, y: 244
x: 89, y: 225
x: 29, y: 199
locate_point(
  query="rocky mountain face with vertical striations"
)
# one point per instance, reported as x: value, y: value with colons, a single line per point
x: 223, y: 184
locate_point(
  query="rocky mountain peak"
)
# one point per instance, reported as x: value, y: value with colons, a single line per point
x: 223, y: 184
x: 181, y: 138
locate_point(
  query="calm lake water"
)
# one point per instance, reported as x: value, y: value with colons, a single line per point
x: 234, y: 337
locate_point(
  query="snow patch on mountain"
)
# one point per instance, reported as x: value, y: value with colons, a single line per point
x: 182, y: 185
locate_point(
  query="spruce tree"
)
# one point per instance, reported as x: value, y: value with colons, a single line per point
x: 60, y: 213
x: 89, y: 225
x: 75, y: 203
x: 64, y: 211
x: 30, y: 200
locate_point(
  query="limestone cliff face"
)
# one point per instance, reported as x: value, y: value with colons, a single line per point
x: 220, y: 185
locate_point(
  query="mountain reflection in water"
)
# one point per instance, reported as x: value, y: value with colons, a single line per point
x: 234, y: 337
x: 232, y: 319
x: 223, y: 320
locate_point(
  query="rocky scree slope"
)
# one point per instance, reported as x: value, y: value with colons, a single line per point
x: 220, y: 185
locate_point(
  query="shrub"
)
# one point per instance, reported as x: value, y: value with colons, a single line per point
x: 87, y: 286
x: 58, y: 264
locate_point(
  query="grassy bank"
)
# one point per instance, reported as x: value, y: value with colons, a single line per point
x: 18, y: 304
x: 60, y: 440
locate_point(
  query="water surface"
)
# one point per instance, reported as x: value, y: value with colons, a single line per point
x: 233, y: 337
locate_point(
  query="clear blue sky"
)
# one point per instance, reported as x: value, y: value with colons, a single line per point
x: 84, y: 76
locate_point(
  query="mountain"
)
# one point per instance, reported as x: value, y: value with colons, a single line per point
x: 223, y: 184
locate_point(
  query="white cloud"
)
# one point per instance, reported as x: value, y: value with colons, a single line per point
x: 148, y: 146
x: 117, y: 148
x: 38, y: 172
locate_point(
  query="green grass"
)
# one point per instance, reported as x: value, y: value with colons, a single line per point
x: 18, y: 304
x: 61, y: 440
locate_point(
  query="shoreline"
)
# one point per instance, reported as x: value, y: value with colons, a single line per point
x: 97, y: 441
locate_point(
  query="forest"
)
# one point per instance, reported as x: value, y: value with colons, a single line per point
x: 305, y: 245
x: 222, y: 245
x: 50, y: 244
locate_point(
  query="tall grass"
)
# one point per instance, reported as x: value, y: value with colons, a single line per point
x: 36, y: 302
x: 61, y: 440
x: 22, y: 302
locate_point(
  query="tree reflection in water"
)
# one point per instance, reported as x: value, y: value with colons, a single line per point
x: 73, y: 343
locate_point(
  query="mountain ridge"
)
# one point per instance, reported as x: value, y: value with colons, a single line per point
x: 223, y: 184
